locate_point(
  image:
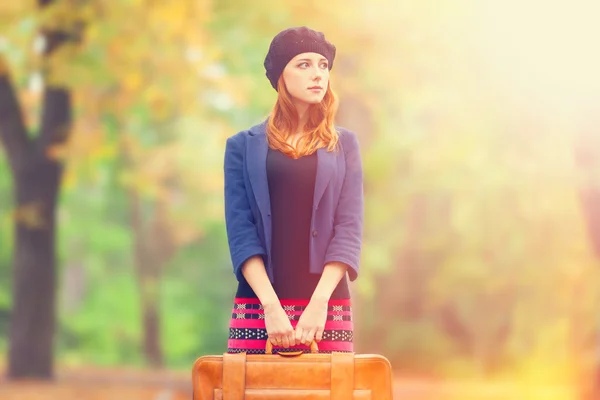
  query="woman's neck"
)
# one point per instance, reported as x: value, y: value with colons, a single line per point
x: 302, y: 110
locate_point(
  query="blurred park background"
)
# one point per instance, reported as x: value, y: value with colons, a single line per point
x: 479, y: 125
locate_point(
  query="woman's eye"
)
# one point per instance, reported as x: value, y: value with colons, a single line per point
x: 324, y: 65
x: 303, y: 65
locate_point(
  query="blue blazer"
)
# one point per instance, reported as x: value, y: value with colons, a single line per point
x: 337, y: 218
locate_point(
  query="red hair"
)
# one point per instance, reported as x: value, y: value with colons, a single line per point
x: 283, y: 122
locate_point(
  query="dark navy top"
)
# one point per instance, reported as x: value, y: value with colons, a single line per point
x: 291, y: 190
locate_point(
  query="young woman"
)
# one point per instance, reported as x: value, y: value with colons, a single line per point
x: 294, y: 209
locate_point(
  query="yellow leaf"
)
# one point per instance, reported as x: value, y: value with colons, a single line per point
x: 132, y: 81
x: 57, y: 152
x: 3, y: 66
x: 30, y: 215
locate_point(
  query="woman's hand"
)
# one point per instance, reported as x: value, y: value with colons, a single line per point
x: 312, y: 322
x: 279, y: 327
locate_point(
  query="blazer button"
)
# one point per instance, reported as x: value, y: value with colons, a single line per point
x: 314, y: 233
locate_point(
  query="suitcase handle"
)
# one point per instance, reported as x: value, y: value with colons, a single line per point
x: 314, y: 348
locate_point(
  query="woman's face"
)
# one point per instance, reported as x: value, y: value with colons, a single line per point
x: 306, y: 77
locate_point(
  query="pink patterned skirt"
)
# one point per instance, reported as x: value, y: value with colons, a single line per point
x: 247, y: 331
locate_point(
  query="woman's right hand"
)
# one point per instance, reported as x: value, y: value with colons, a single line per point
x: 279, y: 327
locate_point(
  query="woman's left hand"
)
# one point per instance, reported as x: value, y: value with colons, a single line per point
x: 312, y: 322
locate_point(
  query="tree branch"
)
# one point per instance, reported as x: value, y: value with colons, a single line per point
x: 56, y: 116
x: 13, y: 132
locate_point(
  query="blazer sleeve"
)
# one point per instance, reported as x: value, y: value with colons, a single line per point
x: 242, y: 234
x: 345, y: 246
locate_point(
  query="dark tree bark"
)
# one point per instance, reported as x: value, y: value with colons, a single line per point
x: 36, y: 178
x: 154, y: 247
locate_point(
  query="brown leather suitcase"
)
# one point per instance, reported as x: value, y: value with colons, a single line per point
x: 292, y: 376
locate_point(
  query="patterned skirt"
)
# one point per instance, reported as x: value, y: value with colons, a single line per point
x: 247, y: 331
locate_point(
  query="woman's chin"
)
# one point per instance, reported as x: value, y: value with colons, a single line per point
x: 313, y: 100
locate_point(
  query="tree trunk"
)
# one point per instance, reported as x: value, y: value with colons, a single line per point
x: 36, y: 179
x: 33, y: 313
x: 36, y: 184
x: 148, y: 266
x: 151, y: 319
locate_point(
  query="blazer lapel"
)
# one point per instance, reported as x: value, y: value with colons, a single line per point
x: 256, y: 159
x: 325, y: 168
